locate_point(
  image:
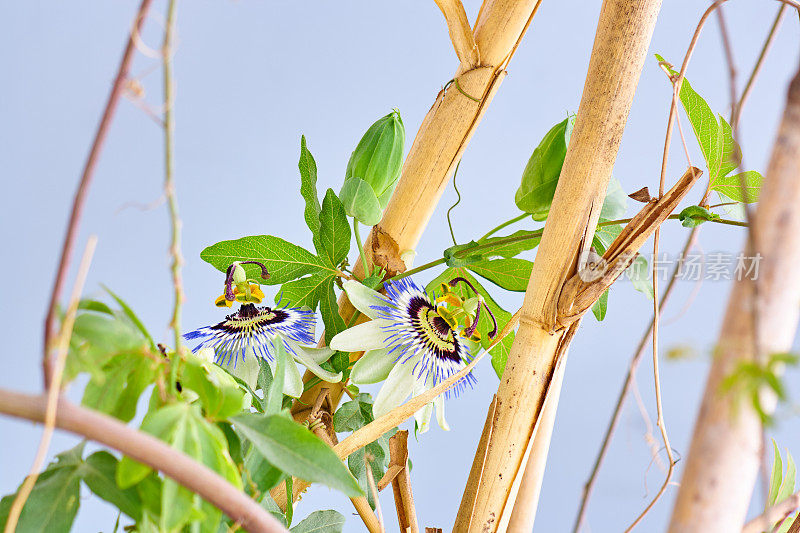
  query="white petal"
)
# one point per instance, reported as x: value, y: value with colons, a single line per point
x: 292, y: 382
x: 307, y: 360
x: 247, y: 369
x: 318, y: 355
x: 396, y: 388
x: 206, y: 354
x: 363, y: 298
x: 423, y: 416
x: 374, y: 366
x: 366, y: 336
x: 438, y: 402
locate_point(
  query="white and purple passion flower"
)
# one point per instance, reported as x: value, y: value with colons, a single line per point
x: 413, y: 342
x: 257, y: 332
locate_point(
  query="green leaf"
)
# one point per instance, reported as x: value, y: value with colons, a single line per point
x: 289, y: 502
x: 329, y: 309
x: 787, y: 485
x: 183, y: 427
x: 219, y: 393
x: 334, y: 229
x: 308, y: 190
x: 354, y: 415
x: 269, y: 504
x: 776, y: 479
x: 274, y: 396
x: 540, y: 177
x: 55, y: 498
x: 616, y: 201
x: 694, y: 215
x: 320, y: 522
x: 375, y: 279
x: 605, y: 235
x: 96, y: 339
x: 744, y: 187
x: 500, y: 352
x: 360, y: 202
x: 511, y: 249
x: 510, y: 274
x: 731, y: 154
x: 292, y: 448
x: 235, y: 445
x: 100, y: 476
x: 639, y: 273
x: 117, y: 389
x: 350, y: 416
x: 94, y: 305
x: 340, y: 361
x: 379, y: 450
x: 284, y: 260
x: 600, y: 307
x: 132, y: 317
x: 264, y: 474
x: 304, y: 291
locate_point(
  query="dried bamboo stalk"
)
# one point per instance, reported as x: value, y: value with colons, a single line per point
x: 723, y: 459
x: 401, y: 483
x: 460, y: 32
x: 441, y: 140
x: 621, y: 42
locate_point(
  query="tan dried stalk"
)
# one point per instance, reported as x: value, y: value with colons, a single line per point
x: 460, y: 32
x: 319, y: 425
x: 441, y: 140
x: 401, y: 483
x: 62, y: 349
x: 724, y: 456
x: 621, y: 42
x: 148, y: 450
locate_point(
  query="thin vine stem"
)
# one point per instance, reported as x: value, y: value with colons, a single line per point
x: 62, y: 348
x: 626, y: 388
x: 449, y: 222
x: 86, y: 180
x: 502, y: 241
x: 503, y: 225
x: 633, y: 365
x: 169, y: 187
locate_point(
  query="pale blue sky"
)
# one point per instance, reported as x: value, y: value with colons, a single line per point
x: 252, y: 76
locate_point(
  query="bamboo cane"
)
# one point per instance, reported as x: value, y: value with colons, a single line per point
x: 621, y: 42
x: 724, y: 456
x: 438, y: 146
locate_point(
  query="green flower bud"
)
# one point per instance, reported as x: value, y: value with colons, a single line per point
x: 540, y: 177
x: 239, y: 275
x: 376, y: 162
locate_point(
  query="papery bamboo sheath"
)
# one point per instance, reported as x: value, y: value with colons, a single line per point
x: 761, y: 319
x: 621, y: 43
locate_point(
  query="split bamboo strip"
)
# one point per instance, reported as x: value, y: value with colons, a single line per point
x: 761, y: 319
x: 438, y: 146
x: 621, y: 42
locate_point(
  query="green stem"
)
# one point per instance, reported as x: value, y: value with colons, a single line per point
x: 420, y: 268
x: 169, y: 188
x: 360, y: 245
x: 501, y: 241
x: 503, y: 225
